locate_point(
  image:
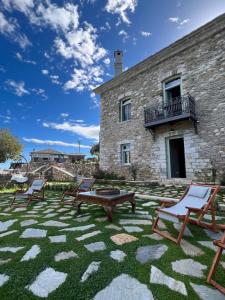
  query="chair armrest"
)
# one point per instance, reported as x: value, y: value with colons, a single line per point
x: 219, y: 244
x: 167, y: 203
x: 193, y: 209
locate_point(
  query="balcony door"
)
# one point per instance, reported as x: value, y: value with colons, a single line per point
x: 176, y: 157
x: 172, y: 94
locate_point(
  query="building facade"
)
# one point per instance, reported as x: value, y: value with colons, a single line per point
x: 164, y: 118
x: 50, y: 155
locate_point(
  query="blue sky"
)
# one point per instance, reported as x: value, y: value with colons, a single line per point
x: 53, y: 53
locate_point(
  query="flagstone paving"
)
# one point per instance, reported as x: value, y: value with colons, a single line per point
x: 47, y: 250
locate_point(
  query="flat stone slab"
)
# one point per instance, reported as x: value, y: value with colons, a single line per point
x: 33, y: 233
x: 209, y: 245
x: 190, y: 250
x: 54, y: 224
x: 112, y: 226
x: 206, y: 293
x: 125, y: 287
x: 134, y: 222
x: 214, y: 235
x: 32, y: 253
x: 118, y: 255
x: 3, y: 279
x: 150, y: 203
x: 57, y: 238
x: 79, y: 228
x: 8, y: 233
x: 149, y: 253
x: 5, y: 225
x: 131, y: 229
x: 28, y: 222
x: 189, y: 267
x: 88, y: 235
x: 123, y: 238
x: 51, y: 215
x: 92, y: 268
x: 158, y: 277
x: 187, y: 231
x: 83, y: 219
x: 65, y: 255
x: 46, y: 282
x: 98, y: 246
x: 10, y: 249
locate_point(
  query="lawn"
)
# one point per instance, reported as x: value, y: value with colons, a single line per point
x: 20, y: 275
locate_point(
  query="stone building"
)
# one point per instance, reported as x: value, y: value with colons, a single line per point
x: 50, y: 155
x: 164, y: 118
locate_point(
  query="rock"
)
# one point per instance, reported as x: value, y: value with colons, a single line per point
x: 123, y: 238
x: 3, y: 279
x: 51, y: 215
x: 19, y: 209
x: 125, y: 287
x: 65, y: 255
x: 118, y: 255
x: 34, y: 233
x: 4, y: 261
x: 209, y: 245
x: 58, y: 239
x: 187, y: 231
x: 10, y: 249
x: 206, y: 293
x: 150, y: 203
x: 79, y: 228
x: 8, y: 233
x: 5, y: 225
x: 28, y: 222
x: 88, y: 235
x: 46, y: 282
x: 158, y: 277
x: 83, y: 219
x: 214, y: 235
x: 148, y: 253
x: 98, y: 246
x: 32, y: 253
x: 190, y: 250
x: 65, y: 217
x: 132, y: 229
x: 134, y: 222
x: 189, y: 267
x: 92, y: 268
x: 54, y: 224
x: 112, y: 226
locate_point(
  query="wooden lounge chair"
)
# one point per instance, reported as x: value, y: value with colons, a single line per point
x: 197, y: 199
x: 84, y: 186
x: 34, y: 192
x: 221, y: 246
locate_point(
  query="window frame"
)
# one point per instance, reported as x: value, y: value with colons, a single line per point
x: 123, y: 104
x: 123, y: 153
x: 173, y: 78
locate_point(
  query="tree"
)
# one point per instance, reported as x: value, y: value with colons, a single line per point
x: 10, y: 146
x: 95, y: 150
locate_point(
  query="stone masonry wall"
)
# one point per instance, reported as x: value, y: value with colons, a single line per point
x: 202, y: 70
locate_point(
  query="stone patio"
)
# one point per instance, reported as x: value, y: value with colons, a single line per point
x: 89, y: 258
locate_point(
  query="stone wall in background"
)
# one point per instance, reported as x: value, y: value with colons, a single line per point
x: 200, y: 61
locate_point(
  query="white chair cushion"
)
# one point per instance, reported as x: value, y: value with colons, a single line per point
x: 198, y: 191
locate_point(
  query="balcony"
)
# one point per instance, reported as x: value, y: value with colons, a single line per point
x: 181, y: 108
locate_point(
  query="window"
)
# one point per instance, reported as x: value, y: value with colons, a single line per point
x: 172, y: 89
x: 125, y: 154
x: 125, y: 110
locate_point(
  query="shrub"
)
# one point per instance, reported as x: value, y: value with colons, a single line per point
x: 101, y: 174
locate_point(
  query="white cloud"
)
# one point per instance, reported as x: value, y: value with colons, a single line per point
x: 18, y: 88
x: 106, y: 61
x: 64, y: 115
x: 20, y: 58
x: 178, y: 21
x: 44, y: 72
x: 5, y: 118
x: 121, y: 7
x: 54, y: 143
x: 146, y: 33
x: 124, y: 35
x: 55, y: 79
x: 40, y: 92
x: 10, y: 29
x: 89, y: 132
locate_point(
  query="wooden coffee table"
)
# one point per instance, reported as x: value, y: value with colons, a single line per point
x: 107, y: 201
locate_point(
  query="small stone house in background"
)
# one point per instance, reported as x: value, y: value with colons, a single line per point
x: 50, y: 155
x: 164, y: 118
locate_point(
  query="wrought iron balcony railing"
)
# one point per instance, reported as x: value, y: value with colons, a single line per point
x: 180, y: 108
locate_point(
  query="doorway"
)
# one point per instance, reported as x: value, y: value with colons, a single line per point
x: 176, y: 158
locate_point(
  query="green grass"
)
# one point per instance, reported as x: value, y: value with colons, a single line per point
x: 24, y: 273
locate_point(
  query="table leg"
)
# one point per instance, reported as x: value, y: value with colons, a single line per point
x: 133, y: 203
x: 109, y: 211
